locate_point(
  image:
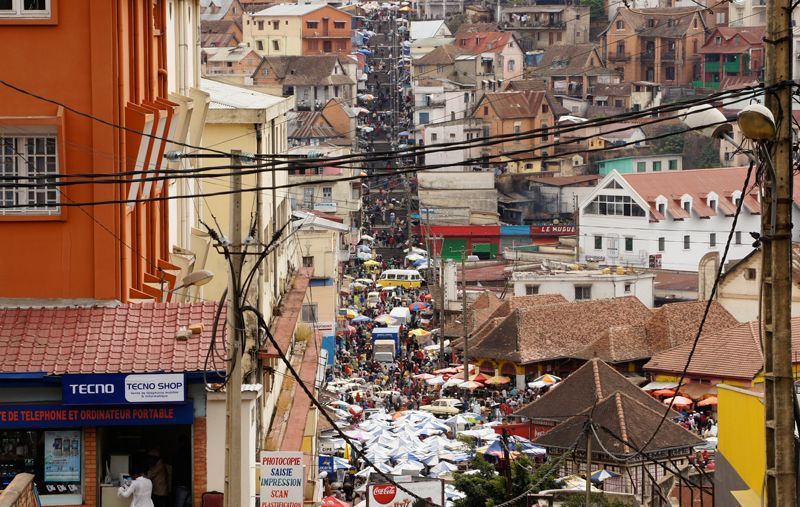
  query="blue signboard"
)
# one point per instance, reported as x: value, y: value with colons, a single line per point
x: 119, y: 389
x: 329, y: 344
x: 326, y: 464
x: 63, y: 416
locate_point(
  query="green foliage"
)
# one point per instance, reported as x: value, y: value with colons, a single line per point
x: 597, y: 9
x: 671, y: 144
x: 485, y: 488
x: 596, y: 500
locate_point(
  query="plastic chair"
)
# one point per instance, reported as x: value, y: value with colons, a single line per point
x: 212, y: 499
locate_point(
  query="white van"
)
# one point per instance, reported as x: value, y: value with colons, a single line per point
x: 401, y: 314
x: 406, y: 278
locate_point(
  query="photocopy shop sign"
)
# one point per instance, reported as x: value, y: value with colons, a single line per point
x: 119, y: 389
x: 389, y: 495
x: 282, y: 479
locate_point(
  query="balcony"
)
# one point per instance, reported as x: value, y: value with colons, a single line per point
x: 668, y: 56
x: 712, y: 67
x: 535, y: 25
x: 705, y: 84
x: 648, y: 57
x: 619, y: 58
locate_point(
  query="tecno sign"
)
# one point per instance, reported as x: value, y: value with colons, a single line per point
x: 121, y: 388
x: 157, y: 388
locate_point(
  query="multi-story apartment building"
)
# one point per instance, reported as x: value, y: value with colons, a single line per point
x: 542, y: 26
x: 439, y: 100
x: 312, y: 80
x: 747, y: 13
x: 655, y: 45
x: 300, y: 29
x: 669, y: 219
x: 515, y: 114
x: 500, y: 52
x: 238, y: 61
x: 732, y: 55
x: 573, y: 70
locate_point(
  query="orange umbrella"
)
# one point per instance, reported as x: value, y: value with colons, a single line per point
x: 664, y: 392
x: 680, y: 401
x: 711, y: 400
x: 497, y: 380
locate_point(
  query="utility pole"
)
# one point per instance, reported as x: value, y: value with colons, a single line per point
x: 233, y: 391
x: 464, y: 313
x: 588, y: 500
x: 776, y: 225
x: 507, y: 459
x: 441, y: 309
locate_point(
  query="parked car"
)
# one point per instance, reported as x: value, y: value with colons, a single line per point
x: 443, y: 406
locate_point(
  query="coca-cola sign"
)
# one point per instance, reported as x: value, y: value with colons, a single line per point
x: 384, y: 493
x: 391, y: 495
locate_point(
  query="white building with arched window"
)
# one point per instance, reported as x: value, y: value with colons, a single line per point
x: 669, y: 220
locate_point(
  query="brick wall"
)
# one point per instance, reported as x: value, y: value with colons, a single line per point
x: 90, y: 467
x: 200, y: 470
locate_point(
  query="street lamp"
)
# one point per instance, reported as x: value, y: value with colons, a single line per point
x: 757, y: 122
x: 193, y: 279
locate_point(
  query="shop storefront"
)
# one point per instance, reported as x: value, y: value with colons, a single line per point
x: 80, y: 438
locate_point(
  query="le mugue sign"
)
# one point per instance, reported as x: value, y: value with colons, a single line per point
x: 281, y: 479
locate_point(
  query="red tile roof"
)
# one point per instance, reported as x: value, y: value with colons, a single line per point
x: 508, y: 105
x: 729, y: 353
x: 482, y: 42
x: 616, y: 330
x: 576, y: 393
x: 625, y: 427
x: 126, y: 339
x: 698, y: 183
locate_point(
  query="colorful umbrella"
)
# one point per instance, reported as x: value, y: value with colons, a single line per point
x: 711, y: 400
x: 471, y: 385
x: 418, y: 306
x: 445, y: 370
x: 371, y: 263
x: 435, y: 381
x: 664, y: 392
x: 497, y: 380
x: 385, y: 319
x: 424, y: 376
x: 361, y: 318
x: 548, y: 379
x: 351, y: 314
x: 602, y: 475
x: 478, y: 377
x: 419, y: 332
x: 680, y: 401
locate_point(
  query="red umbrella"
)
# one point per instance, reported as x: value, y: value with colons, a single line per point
x: 664, y: 392
x: 479, y: 377
x: 680, y: 401
x: 332, y: 501
x: 711, y: 400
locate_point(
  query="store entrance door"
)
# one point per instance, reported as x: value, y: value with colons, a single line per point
x: 162, y: 453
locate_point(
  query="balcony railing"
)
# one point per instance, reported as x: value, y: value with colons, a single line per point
x: 648, y: 56
x: 705, y: 84
x: 668, y: 56
x: 619, y: 57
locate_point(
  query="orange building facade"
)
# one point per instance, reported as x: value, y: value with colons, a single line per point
x: 106, y: 59
x: 655, y: 45
x: 327, y: 31
x: 515, y: 115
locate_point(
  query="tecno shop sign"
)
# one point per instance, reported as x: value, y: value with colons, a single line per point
x: 390, y: 495
x: 118, y: 389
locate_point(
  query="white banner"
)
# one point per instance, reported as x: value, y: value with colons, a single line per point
x: 282, y: 479
x: 155, y: 388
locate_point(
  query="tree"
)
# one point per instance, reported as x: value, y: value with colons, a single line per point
x: 486, y: 488
x: 597, y: 9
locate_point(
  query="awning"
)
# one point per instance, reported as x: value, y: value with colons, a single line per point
x: 654, y: 386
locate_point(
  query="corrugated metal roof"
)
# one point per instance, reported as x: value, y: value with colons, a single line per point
x: 225, y: 96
